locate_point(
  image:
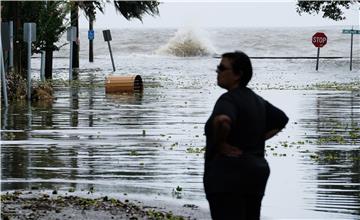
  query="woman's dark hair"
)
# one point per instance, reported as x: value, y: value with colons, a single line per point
x: 241, y: 64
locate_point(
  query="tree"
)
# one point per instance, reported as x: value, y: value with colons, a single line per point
x: 50, y: 26
x: 12, y: 11
x: 136, y: 9
x: 50, y: 17
x: 89, y: 7
x: 129, y: 9
x: 331, y: 9
x: 74, y: 15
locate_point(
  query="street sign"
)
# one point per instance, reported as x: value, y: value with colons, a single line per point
x: 107, y: 35
x: 5, y: 35
x: 91, y: 34
x: 319, y: 39
x: 350, y: 31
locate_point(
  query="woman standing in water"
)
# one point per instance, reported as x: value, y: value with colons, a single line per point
x: 236, y: 171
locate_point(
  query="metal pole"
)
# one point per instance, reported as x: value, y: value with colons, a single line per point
x: 351, y: 49
x: 11, y: 51
x: 317, y: 59
x: 29, y: 65
x: 42, y: 68
x: 112, y: 60
x: 91, y: 51
x: 71, y: 61
x: 3, y: 78
x: 29, y: 115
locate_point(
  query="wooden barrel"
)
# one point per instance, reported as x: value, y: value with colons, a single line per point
x: 119, y: 84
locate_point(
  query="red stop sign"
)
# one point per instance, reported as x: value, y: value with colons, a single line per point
x: 319, y: 39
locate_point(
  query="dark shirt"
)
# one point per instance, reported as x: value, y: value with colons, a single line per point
x: 251, y: 117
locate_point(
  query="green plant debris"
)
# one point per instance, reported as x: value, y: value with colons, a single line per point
x: 175, y: 144
x: 178, y: 189
x: 153, y: 214
x: 354, y: 135
x: 195, y: 150
x: 331, y: 139
x: 8, y: 197
x: 177, y: 192
x: 76, y: 83
x: 352, y: 86
x: 92, y: 190
x: 133, y: 153
x: 326, y: 85
x: 325, y: 157
x: 16, y: 206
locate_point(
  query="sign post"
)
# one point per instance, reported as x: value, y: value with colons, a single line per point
x: 11, y: 52
x: 352, y: 32
x: 29, y: 36
x: 3, y: 77
x: 42, y: 66
x: 107, y: 37
x: 71, y: 36
x: 91, y: 36
x: 319, y: 39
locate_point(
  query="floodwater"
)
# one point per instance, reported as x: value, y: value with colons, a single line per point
x: 147, y: 145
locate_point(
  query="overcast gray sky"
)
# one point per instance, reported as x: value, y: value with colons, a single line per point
x: 235, y: 13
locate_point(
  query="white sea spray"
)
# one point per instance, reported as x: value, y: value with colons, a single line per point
x: 188, y: 42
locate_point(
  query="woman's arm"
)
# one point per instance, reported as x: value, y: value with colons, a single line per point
x: 276, y: 120
x: 222, y: 127
x: 271, y: 133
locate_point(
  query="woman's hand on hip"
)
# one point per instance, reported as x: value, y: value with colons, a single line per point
x: 228, y: 150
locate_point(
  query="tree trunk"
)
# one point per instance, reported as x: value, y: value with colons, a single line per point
x: 75, y: 22
x: 48, y: 64
x: 20, y: 61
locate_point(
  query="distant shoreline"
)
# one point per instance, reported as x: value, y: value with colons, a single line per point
x: 255, y: 58
x: 292, y: 58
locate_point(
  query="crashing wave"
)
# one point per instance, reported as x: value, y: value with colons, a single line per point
x: 187, y: 43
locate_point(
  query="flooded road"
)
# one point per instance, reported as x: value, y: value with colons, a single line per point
x: 151, y: 144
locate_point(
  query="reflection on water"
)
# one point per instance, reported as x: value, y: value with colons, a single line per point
x: 337, y: 158
x: 137, y: 143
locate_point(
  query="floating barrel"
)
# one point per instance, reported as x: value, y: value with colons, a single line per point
x: 118, y: 84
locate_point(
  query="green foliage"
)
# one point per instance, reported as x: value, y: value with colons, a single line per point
x: 51, y: 24
x: 49, y: 18
x: 89, y: 8
x: 331, y: 9
x: 136, y: 9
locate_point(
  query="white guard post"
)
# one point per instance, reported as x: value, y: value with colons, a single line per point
x: 29, y: 37
x: 71, y: 36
